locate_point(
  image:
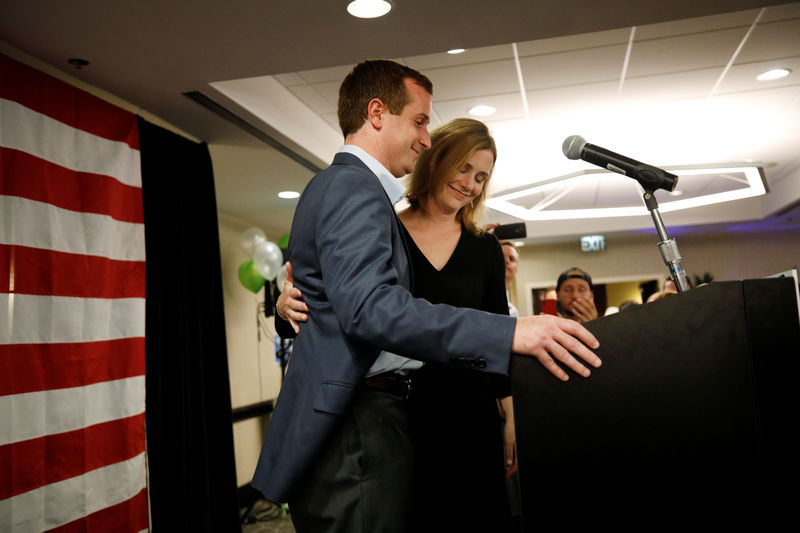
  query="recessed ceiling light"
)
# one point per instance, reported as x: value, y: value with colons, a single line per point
x: 77, y: 62
x: 774, y: 74
x: 482, y: 111
x: 288, y: 194
x: 369, y: 9
x: 456, y: 51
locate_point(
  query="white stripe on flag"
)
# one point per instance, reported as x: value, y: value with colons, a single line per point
x: 64, y: 145
x: 36, y: 414
x: 40, y: 225
x: 73, y: 498
x: 34, y: 319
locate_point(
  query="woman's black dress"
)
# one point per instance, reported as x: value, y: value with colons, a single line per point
x: 455, y: 426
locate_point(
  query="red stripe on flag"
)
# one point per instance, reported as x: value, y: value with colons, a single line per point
x: 47, y: 272
x: 34, y: 463
x: 127, y: 517
x: 27, y: 176
x: 65, y: 103
x: 37, y: 367
x: 38, y: 462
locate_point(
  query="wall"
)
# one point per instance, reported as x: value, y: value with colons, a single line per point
x: 616, y: 293
x: 727, y: 256
x: 254, y: 375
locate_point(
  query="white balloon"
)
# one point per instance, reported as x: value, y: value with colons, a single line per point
x: 267, y: 258
x: 250, y: 238
x: 281, y: 277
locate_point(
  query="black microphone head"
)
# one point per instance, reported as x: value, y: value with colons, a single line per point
x: 573, y: 146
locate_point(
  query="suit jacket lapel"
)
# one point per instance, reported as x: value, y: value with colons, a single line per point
x: 343, y: 158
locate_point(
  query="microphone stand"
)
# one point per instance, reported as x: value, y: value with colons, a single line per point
x: 668, y: 247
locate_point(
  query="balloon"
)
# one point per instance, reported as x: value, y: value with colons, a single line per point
x: 250, y: 277
x: 283, y: 242
x: 250, y: 238
x: 281, y: 277
x: 268, y: 259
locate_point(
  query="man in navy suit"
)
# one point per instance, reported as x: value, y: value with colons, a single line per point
x: 338, y: 448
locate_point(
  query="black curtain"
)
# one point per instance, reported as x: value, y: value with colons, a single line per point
x: 189, y: 429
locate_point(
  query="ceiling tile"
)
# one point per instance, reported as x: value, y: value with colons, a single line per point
x: 475, y: 55
x: 742, y: 77
x: 573, y: 42
x: 574, y: 67
x: 773, y: 40
x: 312, y: 99
x: 329, y: 91
x: 333, y: 74
x: 737, y: 19
x: 572, y: 98
x: 474, y: 80
x: 684, y: 53
x: 290, y: 78
x: 581, y: 197
x: 675, y: 86
x: 509, y: 107
x: 780, y: 12
x: 617, y: 191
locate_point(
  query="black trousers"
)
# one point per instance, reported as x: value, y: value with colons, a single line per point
x: 362, y: 481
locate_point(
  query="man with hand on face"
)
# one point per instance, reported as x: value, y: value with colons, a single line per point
x: 338, y: 447
x: 574, y: 296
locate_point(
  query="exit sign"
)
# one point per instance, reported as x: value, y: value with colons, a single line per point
x: 593, y: 243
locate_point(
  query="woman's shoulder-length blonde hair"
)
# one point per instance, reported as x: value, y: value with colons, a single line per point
x: 452, y: 145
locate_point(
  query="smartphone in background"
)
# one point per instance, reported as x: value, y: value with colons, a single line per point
x: 549, y: 307
x: 511, y: 231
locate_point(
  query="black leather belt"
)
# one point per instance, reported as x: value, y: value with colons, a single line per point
x: 395, y: 384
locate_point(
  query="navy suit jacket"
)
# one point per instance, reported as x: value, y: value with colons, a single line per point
x: 350, y: 262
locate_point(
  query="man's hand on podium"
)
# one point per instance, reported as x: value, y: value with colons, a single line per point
x: 550, y: 339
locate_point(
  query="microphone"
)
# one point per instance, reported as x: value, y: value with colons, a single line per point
x: 651, y: 178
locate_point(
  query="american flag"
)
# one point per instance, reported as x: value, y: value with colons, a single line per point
x: 72, y: 310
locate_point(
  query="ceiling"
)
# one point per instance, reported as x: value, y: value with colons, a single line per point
x: 668, y: 83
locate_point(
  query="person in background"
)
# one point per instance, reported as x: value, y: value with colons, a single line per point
x: 549, y: 304
x: 511, y: 257
x: 574, y: 296
x: 505, y: 405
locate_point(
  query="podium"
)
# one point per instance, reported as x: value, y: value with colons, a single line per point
x: 691, y: 417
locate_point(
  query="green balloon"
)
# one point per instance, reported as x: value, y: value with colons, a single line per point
x: 283, y: 242
x: 250, y: 277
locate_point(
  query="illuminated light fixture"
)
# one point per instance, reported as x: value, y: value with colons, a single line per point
x: 482, y: 111
x: 455, y: 51
x: 774, y: 74
x: 504, y: 204
x: 676, y: 192
x: 369, y: 9
x: 288, y: 194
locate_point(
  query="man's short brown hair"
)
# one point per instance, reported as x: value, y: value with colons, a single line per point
x: 375, y: 78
